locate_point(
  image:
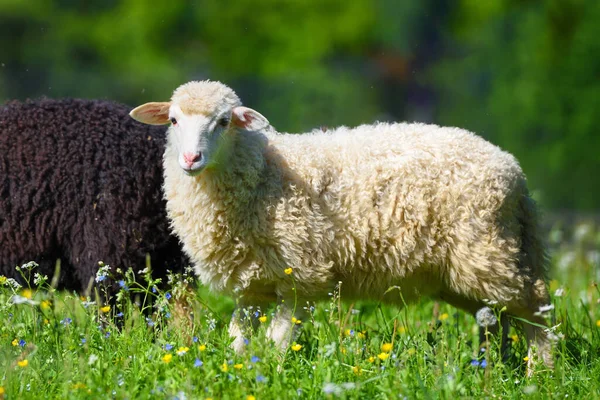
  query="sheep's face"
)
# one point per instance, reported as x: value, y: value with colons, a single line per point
x: 204, y: 117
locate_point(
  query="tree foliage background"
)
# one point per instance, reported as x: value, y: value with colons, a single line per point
x: 524, y: 74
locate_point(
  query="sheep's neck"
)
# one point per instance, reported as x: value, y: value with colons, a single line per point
x: 245, y: 173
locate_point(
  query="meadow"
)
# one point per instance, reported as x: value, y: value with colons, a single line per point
x: 169, y: 340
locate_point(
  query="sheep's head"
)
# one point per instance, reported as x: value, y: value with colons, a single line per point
x: 203, y: 117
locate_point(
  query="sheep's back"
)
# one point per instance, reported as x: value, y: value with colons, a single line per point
x: 400, y: 196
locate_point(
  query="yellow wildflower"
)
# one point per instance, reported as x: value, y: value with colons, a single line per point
x: 105, y: 309
x: 27, y: 293
x: 167, y: 358
x: 411, y: 352
x: 371, y: 359
x: 296, y: 347
x: 23, y: 363
x: 15, y: 342
x: 386, y: 347
x: 2, y: 279
x: 296, y: 321
x: 514, y: 338
x: 598, y: 323
x: 526, y: 358
x: 402, y: 330
x: 238, y: 366
x: 250, y: 397
x: 263, y: 319
x: 46, y: 321
x: 1, y: 388
x: 444, y: 317
x: 224, y: 367
x: 182, y: 350
x: 288, y: 271
x: 45, y: 304
x: 202, y: 347
x: 79, y: 385
x: 383, y: 356
x: 357, y: 370
x: 347, y: 332
x: 343, y: 350
x: 361, y: 335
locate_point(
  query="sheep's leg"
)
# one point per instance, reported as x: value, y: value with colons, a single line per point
x: 539, y: 343
x: 243, y: 322
x: 283, y: 329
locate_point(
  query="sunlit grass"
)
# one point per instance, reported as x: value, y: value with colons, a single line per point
x: 165, y: 340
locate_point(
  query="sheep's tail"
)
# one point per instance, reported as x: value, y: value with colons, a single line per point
x: 534, y: 255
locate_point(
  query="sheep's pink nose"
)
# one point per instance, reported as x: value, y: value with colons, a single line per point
x: 191, y: 158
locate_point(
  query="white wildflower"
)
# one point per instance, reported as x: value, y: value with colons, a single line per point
x: 485, y: 317
x: 93, y: 358
x: 14, y: 284
x: 544, y: 309
x: 559, y: 292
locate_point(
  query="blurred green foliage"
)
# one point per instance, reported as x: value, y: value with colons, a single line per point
x: 522, y: 73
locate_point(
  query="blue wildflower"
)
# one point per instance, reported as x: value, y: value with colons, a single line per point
x: 154, y: 289
x: 168, y: 296
x: 260, y: 378
x: 246, y: 341
x: 198, y: 363
x: 66, y: 321
x: 168, y: 315
x: 83, y: 340
x: 121, y: 283
x: 100, y: 278
x: 195, y: 339
x: 255, y: 359
x: 22, y: 343
x: 119, y: 315
x: 107, y: 334
x: 168, y: 346
x: 149, y: 321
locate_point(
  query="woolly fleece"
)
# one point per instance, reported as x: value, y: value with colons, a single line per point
x: 80, y: 181
x: 434, y: 211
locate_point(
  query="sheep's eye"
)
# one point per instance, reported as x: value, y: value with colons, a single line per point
x: 173, y: 121
x: 224, y: 122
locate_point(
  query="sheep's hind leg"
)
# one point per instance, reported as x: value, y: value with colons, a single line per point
x: 539, y: 343
x: 285, y: 325
x: 243, y: 322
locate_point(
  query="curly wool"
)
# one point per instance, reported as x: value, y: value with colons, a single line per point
x: 80, y: 181
x: 433, y: 210
x: 430, y: 210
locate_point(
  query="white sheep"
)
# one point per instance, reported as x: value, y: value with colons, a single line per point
x: 435, y: 211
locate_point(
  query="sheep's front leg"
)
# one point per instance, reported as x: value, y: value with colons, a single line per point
x: 285, y: 325
x: 243, y: 321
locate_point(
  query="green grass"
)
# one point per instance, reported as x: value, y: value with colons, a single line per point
x: 76, y: 349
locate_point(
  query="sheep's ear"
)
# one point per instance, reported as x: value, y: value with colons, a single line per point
x: 152, y: 113
x: 248, y: 119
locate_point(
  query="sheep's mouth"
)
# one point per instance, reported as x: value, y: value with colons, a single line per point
x: 194, y: 170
